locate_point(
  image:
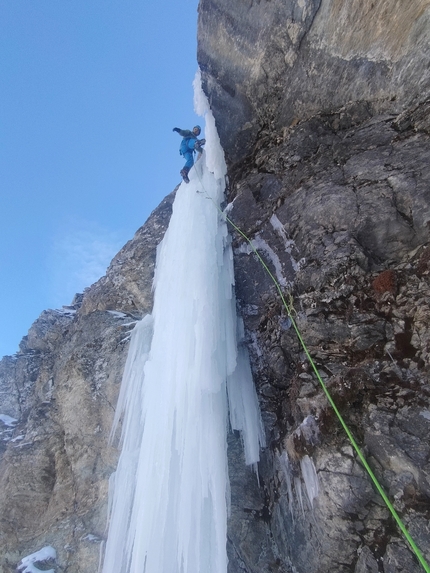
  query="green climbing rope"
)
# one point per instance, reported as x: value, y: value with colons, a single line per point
x: 288, y: 308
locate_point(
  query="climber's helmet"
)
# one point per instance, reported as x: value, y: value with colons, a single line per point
x: 197, y: 130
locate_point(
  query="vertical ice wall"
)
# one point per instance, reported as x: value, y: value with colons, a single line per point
x: 170, y: 491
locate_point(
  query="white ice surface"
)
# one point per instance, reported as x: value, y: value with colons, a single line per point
x: 243, y: 403
x: 261, y: 245
x: 169, y: 502
x: 286, y: 468
x: 298, y: 490
x: 289, y: 243
x: 310, y: 478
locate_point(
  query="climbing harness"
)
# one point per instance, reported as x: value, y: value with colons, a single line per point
x: 289, y: 309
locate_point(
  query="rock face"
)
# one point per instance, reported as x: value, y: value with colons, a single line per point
x: 57, y: 400
x: 348, y: 237
x: 268, y: 65
x: 323, y: 110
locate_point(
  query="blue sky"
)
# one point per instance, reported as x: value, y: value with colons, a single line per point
x: 89, y: 93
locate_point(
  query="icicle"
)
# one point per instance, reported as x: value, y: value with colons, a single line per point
x: 298, y: 488
x: 244, y: 408
x: 171, y: 488
x: 128, y: 398
x: 285, y: 465
x: 310, y: 478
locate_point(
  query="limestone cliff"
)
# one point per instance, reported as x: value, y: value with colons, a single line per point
x: 268, y: 65
x: 323, y: 111
x: 58, y: 395
x: 322, y: 107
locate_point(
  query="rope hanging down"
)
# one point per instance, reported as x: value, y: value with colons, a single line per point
x: 351, y: 438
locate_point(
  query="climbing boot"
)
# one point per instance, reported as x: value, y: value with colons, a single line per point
x: 184, y: 175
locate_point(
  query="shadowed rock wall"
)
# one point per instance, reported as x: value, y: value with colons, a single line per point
x: 268, y: 64
x: 348, y: 237
x: 323, y: 110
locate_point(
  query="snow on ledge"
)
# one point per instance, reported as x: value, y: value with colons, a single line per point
x: 117, y: 314
x: 8, y: 420
x: 27, y: 563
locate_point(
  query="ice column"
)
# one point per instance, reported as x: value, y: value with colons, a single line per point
x: 171, y: 488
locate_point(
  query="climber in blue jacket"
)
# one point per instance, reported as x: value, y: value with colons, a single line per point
x: 189, y: 145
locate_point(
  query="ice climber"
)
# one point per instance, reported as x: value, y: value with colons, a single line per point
x: 189, y: 145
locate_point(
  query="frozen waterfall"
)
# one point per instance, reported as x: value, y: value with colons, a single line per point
x: 185, y: 372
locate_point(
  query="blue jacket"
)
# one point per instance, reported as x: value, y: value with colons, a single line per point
x: 188, y: 142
